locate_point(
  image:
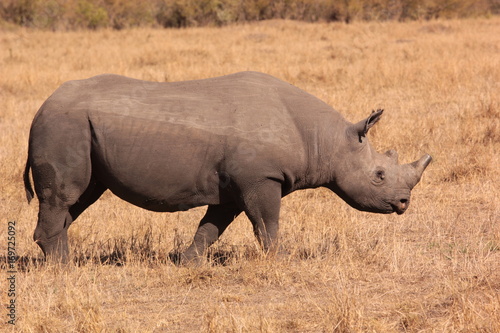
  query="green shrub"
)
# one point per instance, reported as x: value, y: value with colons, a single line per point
x: 91, y: 16
x: 126, y: 13
x: 172, y: 14
x: 20, y: 12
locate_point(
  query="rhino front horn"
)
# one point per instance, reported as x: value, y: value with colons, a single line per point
x: 423, y: 162
x: 419, y: 167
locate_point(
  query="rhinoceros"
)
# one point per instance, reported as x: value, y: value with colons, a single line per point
x: 237, y: 143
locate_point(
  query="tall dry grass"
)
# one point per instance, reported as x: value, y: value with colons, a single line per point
x: 434, y: 269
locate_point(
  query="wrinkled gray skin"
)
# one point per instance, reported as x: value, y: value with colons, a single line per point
x: 237, y: 143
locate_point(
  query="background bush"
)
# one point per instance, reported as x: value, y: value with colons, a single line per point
x: 118, y: 14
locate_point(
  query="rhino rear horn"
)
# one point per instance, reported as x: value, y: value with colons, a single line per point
x: 362, y: 127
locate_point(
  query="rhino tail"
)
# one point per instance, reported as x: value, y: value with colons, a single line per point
x: 27, y: 183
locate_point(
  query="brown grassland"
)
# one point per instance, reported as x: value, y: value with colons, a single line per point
x: 434, y: 269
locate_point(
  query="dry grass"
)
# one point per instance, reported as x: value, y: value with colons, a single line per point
x: 434, y: 269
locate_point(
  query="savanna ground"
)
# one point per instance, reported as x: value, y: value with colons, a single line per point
x: 434, y: 269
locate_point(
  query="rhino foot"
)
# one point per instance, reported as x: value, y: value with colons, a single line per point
x: 184, y: 259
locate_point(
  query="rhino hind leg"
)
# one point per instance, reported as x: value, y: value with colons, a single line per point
x: 54, y: 219
x: 50, y: 233
x: 64, y: 188
x: 212, y: 225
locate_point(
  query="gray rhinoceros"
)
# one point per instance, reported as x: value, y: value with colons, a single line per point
x: 236, y: 143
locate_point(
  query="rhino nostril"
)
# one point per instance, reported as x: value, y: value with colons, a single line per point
x: 403, y: 204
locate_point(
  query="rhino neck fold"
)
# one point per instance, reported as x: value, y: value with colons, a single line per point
x: 323, y: 152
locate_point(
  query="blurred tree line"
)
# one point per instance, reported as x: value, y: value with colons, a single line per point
x: 119, y: 14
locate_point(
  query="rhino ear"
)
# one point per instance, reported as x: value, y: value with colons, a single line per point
x: 362, y: 127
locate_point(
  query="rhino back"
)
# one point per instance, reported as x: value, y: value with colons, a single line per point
x: 245, y: 105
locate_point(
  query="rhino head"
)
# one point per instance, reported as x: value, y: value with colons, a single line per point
x: 370, y: 181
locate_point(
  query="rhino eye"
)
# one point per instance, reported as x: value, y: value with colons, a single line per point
x: 379, y: 176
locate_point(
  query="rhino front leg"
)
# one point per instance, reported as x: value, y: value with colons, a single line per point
x: 212, y: 225
x: 262, y: 206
